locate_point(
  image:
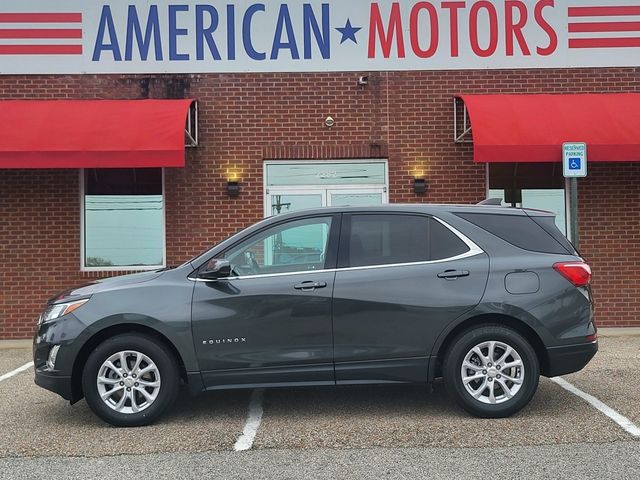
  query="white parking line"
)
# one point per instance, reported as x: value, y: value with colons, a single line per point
x: 245, y: 441
x: 15, y: 372
x: 621, y: 420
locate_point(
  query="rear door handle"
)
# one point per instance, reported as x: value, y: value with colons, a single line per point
x: 453, y: 274
x: 309, y: 286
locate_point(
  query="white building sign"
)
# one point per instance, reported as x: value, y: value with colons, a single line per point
x: 201, y: 36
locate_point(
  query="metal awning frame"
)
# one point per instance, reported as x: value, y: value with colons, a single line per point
x: 191, y: 127
x: 461, y: 132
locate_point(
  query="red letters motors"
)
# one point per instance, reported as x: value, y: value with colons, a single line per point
x: 476, y: 26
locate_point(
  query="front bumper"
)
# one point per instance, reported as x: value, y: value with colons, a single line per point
x: 55, y: 383
x: 57, y: 377
x: 569, y: 358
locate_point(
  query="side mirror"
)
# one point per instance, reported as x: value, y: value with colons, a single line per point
x: 215, y: 268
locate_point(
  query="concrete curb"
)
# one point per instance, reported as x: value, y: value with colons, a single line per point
x: 15, y: 344
x: 619, y: 332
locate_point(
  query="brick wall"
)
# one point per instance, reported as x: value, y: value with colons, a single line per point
x: 609, y: 218
x: 247, y: 118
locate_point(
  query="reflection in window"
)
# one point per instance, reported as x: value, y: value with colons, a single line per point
x: 294, y: 202
x: 123, y: 218
x: 295, y: 246
x: 539, y: 185
x: 551, y: 200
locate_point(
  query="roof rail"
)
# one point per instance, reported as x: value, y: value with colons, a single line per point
x: 492, y: 201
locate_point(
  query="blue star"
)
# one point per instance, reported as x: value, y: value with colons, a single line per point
x: 348, y: 32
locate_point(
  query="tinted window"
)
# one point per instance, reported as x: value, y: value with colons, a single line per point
x: 123, y: 217
x: 550, y: 226
x: 519, y: 230
x: 444, y: 243
x: 385, y: 239
x: 293, y: 246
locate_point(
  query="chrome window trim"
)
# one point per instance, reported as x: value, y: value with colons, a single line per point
x: 470, y: 243
x: 474, y: 250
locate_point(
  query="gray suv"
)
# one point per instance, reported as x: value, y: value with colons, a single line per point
x: 489, y: 298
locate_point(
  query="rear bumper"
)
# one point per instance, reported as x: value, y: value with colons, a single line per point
x: 569, y: 358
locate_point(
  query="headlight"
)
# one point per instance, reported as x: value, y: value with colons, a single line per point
x: 56, y: 311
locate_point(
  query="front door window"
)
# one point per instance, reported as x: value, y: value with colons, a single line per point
x: 295, y: 246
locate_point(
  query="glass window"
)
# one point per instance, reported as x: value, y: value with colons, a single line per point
x: 326, y: 173
x: 123, y: 218
x: 295, y: 201
x: 551, y: 200
x: 530, y: 185
x: 521, y: 231
x: 293, y: 246
x: 444, y: 243
x: 387, y: 239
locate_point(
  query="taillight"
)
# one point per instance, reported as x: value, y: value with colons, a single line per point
x: 578, y: 273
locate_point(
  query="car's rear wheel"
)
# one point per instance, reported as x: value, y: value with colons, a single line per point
x: 492, y: 371
x: 130, y: 380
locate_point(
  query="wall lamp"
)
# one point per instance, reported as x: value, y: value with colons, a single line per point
x: 419, y: 186
x: 233, y: 188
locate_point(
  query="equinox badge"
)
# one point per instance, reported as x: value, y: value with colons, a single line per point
x: 219, y: 341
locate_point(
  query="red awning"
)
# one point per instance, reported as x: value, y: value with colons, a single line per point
x: 92, y: 133
x: 532, y: 128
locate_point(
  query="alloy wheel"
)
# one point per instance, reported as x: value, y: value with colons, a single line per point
x: 128, y: 382
x: 492, y: 372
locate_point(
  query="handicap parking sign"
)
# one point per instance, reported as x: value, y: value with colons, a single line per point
x: 574, y: 159
x: 574, y: 163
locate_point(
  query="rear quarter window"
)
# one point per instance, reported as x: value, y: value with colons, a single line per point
x: 518, y: 230
x: 549, y: 226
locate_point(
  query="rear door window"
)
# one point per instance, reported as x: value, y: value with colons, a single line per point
x: 376, y: 239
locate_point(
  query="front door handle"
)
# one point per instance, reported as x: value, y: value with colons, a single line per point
x: 453, y: 274
x: 309, y: 286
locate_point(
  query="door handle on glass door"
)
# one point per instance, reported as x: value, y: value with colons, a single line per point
x: 309, y: 286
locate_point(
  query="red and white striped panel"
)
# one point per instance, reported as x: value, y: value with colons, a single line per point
x: 604, y: 26
x: 40, y: 33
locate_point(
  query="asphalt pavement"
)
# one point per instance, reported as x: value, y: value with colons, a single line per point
x: 333, y: 432
x: 617, y: 460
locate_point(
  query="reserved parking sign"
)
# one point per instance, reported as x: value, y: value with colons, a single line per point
x: 574, y: 159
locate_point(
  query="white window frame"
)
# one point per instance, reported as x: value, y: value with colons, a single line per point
x: 133, y: 268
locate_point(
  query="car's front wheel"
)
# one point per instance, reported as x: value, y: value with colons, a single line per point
x: 492, y: 371
x: 130, y: 380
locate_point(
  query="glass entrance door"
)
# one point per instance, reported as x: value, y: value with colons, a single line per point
x: 291, y: 186
x: 284, y: 201
x: 289, y: 200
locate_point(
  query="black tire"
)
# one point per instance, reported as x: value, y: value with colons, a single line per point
x: 463, y: 345
x: 167, y: 370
